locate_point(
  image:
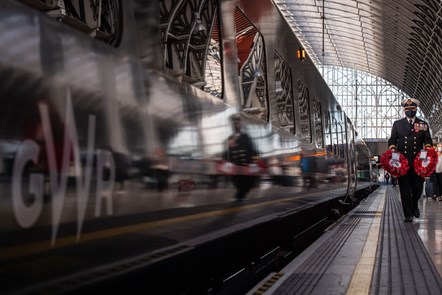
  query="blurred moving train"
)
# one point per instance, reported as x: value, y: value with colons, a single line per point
x: 111, y: 109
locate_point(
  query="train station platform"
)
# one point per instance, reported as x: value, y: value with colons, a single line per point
x: 370, y: 250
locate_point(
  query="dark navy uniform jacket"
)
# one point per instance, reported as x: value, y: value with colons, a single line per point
x: 243, y: 152
x: 410, y: 140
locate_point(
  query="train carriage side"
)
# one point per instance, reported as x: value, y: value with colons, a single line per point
x: 99, y: 139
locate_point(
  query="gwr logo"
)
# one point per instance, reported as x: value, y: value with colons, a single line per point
x: 27, y: 215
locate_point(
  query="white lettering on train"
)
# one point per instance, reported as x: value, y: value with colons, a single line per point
x: 27, y: 214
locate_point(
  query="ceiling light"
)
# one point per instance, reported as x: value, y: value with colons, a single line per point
x: 301, y: 54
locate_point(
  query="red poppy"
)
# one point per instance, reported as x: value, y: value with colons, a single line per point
x: 394, y: 167
x: 228, y: 168
x: 424, y: 167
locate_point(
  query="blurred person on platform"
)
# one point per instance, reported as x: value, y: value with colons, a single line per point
x: 437, y: 175
x: 387, y: 177
x: 393, y: 181
x: 241, y: 151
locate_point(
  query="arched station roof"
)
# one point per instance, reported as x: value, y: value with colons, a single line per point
x: 398, y: 40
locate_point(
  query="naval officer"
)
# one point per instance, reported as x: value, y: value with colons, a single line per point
x: 409, y: 135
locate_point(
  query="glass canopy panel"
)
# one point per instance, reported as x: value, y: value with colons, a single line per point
x: 371, y: 103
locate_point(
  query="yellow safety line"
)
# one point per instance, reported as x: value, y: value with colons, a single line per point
x: 45, y: 245
x: 361, y: 279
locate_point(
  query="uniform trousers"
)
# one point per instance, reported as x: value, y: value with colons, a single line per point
x: 410, y: 186
x: 437, y: 184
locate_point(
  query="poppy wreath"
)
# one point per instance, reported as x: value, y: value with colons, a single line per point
x: 395, y: 168
x: 424, y: 167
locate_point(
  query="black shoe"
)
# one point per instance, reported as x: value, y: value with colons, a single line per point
x: 417, y: 213
x: 408, y: 219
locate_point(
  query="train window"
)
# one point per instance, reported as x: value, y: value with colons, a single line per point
x: 351, y: 156
x: 342, y: 134
x: 351, y: 146
x: 252, y: 67
x: 317, y: 120
x: 284, y: 95
x: 103, y: 20
x: 190, y: 42
x: 304, y: 111
x: 341, y: 139
x: 334, y: 133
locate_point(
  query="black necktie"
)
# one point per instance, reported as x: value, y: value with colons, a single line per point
x: 411, y: 123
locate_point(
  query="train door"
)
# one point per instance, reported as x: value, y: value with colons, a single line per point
x: 336, y: 162
x: 342, y: 147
